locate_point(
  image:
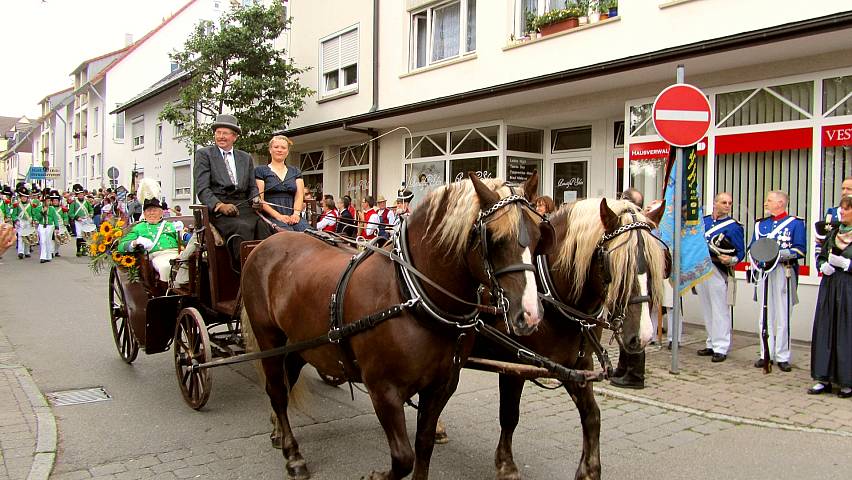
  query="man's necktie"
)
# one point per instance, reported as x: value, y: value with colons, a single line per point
x: 231, y: 174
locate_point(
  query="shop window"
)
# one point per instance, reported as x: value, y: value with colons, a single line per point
x: 485, y: 167
x: 571, y: 139
x: 311, y: 165
x: 648, y: 163
x: 837, y: 96
x: 748, y: 167
x: 520, y: 139
x: 423, y: 177
x: 426, y: 146
x: 618, y: 134
x: 355, y: 172
x: 836, y: 163
x: 481, y: 139
x: 569, y: 181
x: 781, y: 103
x: 519, y: 169
x: 640, y: 120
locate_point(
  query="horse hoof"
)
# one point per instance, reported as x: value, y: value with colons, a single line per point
x: 441, y: 438
x: 276, y: 441
x: 376, y: 476
x: 298, y: 470
x: 508, y: 472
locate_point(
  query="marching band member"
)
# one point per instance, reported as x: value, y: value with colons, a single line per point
x: 725, y: 240
x: 80, y: 211
x: 154, y: 234
x: 23, y: 220
x: 48, y: 221
x: 61, y: 233
x: 790, y: 234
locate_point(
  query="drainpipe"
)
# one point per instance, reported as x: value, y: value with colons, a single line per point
x: 374, y: 155
x: 375, y: 105
x: 102, y: 133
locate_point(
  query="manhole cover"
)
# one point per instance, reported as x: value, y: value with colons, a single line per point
x: 76, y: 397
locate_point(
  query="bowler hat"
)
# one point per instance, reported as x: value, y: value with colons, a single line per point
x: 227, y: 121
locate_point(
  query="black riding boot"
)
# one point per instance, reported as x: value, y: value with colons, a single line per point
x: 630, y: 372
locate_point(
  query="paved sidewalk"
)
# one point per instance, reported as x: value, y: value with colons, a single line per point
x: 736, y: 391
x: 27, y: 425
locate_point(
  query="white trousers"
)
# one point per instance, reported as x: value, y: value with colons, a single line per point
x: 777, y: 315
x: 713, y: 294
x: 22, y: 247
x: 78, y: 228
x: 45, y: 242
x: 161, y: 260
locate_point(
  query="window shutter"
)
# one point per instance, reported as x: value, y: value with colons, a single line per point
x: 331, y: 55
x: 349, y: 48
x: 138, y: 128
x: 182, y: 177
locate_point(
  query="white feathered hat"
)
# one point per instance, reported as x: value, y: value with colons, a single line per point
x: 149, y: 193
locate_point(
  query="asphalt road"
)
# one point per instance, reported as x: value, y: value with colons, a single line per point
x: 56, y: 317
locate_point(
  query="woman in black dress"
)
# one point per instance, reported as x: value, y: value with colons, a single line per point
x: 831, y: 345
x: 281, y: 187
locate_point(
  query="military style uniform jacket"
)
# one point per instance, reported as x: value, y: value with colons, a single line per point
x: 79, y: 209
x: 733, y: 232
x: 166, y: 239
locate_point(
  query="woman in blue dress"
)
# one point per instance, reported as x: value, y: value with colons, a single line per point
x: 282, y: 190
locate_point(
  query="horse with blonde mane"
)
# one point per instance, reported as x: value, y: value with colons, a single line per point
x: 607, y: 264
x: 466, y: 234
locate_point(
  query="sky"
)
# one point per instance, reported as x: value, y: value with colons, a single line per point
x: 45, y: 40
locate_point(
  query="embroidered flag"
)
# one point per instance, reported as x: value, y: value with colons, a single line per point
x: 695, y: 264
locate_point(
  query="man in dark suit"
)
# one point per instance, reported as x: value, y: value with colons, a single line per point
x: 224, y: 181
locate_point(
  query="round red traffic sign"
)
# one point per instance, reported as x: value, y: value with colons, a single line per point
x: 681, y: 115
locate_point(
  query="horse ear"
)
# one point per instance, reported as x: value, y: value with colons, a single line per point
x: 487, y: 197
x: 531, y: 186
x: 655, y: 215
x: 608, y: 217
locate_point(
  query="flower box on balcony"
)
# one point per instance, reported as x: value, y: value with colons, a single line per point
x: 559, y: 26
x: 559, y: 20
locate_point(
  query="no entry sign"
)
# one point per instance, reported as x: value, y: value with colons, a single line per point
x: 681, y: 115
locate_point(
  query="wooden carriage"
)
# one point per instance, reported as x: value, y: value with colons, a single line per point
x: 198, y: 320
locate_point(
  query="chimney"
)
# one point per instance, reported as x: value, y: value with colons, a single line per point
x: 128, y: 39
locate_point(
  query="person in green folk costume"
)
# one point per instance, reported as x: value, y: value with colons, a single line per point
x: 153, y: 234
x: 81, y: 212
x: 48, y: 222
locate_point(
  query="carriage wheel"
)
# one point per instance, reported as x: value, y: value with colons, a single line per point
x: 192, y: 347
x: 125, y: 342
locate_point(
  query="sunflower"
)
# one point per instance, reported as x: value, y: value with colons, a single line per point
x: 106, y: 228
x: 117, y: 257
x: 128, y: 261
x: 95, y: 236
x: 93, y: 249
x: 101, y: 248
x: 117, y: 233
x: 119, y: 224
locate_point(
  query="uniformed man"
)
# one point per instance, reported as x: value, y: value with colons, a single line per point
x: 831, y: 217
x: 23, y: 220
x: 790, y: 234
x: 80, y: 211
x: 153, y: 234
x: 726, y: 241
x: 47, y: 217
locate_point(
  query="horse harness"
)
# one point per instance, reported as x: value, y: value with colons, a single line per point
x: 586, y: 321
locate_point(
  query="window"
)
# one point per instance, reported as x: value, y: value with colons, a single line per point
x: 355, y: 172
x: 118, y: 135
x: 137, y: 129
x: 442, y: 32
x: 569, y: 181
x: 100, y: 165
x: 524, y: 148
x: 837, y: 96
x: 178, y: 132
x: 572, y: 139
x: 96, y: 120
x: 92, y: 168
x: 158, y: 138
x: 526, y: 10
x: 182, y: 179
x: 311, y: 165
x: 780, y: 103
x: 340, y: 62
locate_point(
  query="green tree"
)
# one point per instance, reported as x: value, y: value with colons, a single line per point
x: 235, y: 68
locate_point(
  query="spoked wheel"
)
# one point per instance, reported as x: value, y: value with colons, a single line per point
x: 119, y: 317
x: 192, y: 347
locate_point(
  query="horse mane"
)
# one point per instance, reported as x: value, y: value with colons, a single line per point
x: 451, y: 211
x: 575, y: 255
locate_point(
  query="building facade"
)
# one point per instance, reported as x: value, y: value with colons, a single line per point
x: 449, y: 86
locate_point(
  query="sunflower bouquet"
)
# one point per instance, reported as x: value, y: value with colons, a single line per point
x: 104, y: 253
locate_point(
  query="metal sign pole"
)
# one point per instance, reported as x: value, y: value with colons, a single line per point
x: 678, y: 221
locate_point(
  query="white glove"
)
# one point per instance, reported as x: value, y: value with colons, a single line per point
x: 838, y: 261
x: 826, y: 269
x: 786, y: 254
x: 145, y: 243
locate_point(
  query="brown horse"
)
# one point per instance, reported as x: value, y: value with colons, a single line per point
x: 412, y: 353
x: 599, y: 265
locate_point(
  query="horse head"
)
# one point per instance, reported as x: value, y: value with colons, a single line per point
x: 633, y: 264
x: 510, y: 235
x: 608, y: 258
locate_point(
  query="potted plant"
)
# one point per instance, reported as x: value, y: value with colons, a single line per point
x: 558, y: 20
x: 610, y: 7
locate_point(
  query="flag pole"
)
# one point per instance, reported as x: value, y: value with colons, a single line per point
x: 678, y: 221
